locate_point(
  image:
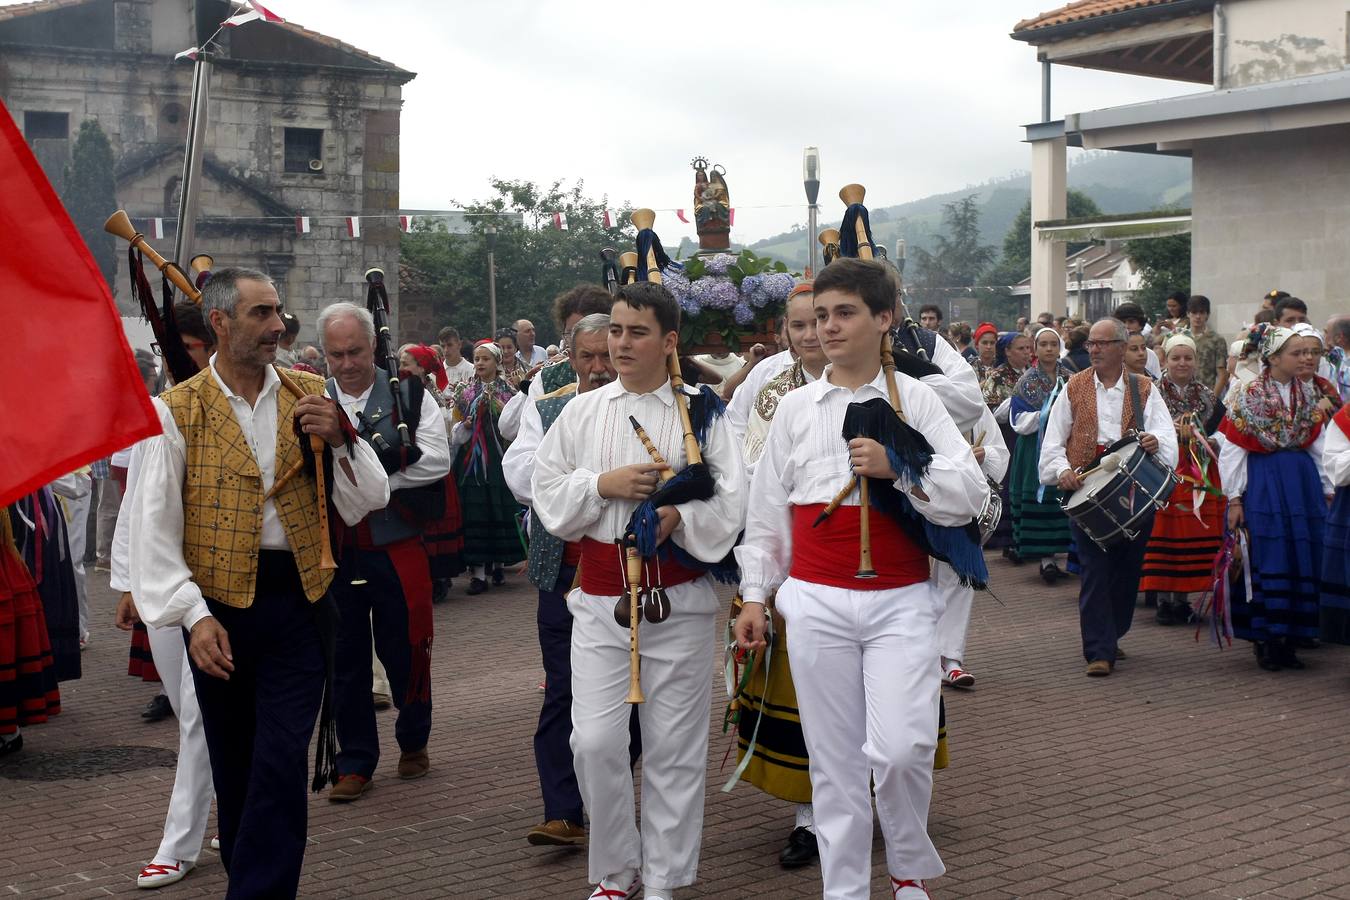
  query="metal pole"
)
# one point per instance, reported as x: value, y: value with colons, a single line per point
x: 811, y: 182
x: 490, y: 234
x: 1045, y: 90
x: 813, y: 245
x: 192, y: 161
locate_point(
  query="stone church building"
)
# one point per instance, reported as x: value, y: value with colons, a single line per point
x: 299, y: 124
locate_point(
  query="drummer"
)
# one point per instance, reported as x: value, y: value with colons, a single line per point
x: 1097, y: 406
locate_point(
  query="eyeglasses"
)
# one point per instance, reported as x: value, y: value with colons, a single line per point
x: 1101, y: 345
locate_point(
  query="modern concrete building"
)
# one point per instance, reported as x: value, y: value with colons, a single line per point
x: 1269, y: 140
x: 299, y: 124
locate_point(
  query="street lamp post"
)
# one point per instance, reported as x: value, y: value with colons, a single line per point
x: 1078, y: 294
x: 490, y: 234
x: 811, y: 181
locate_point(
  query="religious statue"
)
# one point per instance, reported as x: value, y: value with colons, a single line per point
x: 712, y: 207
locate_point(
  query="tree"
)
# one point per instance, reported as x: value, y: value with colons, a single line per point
x: 1016, y: 262
x: 90, y: 194
x: 958, y: 260
x: 1165, y: 264
x: 535, y: 262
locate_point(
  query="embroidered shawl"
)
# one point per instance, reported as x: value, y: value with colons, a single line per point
x: 1259, y: 420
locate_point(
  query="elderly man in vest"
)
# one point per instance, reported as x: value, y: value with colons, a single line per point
x: 552, y: 569
x: 383, y: 583
x: 213, y: 551
x: 1095, y: 409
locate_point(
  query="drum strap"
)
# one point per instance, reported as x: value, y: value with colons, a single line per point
x: 1138, y: 407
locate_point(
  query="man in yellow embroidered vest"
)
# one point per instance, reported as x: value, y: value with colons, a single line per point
x: 1094, y: 410
x: 209, y: 550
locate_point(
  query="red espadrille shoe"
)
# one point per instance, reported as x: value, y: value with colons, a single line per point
x: 908, y: 889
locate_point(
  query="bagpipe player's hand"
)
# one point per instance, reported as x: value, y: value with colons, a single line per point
x: 868, y: 457
x: 751, y: 627
x: 670, y: 520
x: 1149, y: 442
x: 635, y: 482
x: 125, y: 617
x: 209, y: 646
x: 319, y: 415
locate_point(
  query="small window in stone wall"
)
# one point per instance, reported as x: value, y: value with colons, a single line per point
x: 46, y: 126
x: 304, y: 150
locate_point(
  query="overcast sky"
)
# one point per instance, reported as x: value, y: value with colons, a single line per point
x: 908, y: 97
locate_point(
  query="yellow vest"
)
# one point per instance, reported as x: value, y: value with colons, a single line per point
x: 223, y: 493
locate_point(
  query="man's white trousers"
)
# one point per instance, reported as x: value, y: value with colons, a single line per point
x: 190, y: 802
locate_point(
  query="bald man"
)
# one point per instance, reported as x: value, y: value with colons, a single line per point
x: 530, y: 353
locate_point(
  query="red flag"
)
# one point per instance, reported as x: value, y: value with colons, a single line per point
x: 53, y: 422
x: 731, y: 216
x: 679, y: 214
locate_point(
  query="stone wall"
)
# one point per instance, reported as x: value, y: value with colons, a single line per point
x: 1272, y: 211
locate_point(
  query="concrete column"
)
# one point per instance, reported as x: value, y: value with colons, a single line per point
x: 1048, y: 201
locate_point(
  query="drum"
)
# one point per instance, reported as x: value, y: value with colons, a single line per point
x: 1126, y: 485
x: 991, y: 513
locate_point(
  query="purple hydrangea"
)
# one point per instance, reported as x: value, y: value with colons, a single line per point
x: 777, y: 286
x: 714, y: 292
x: 718, y: 263
x: 690, y: 306
x: 750, y: 286
x: 744, y: 313
x: 676, y: 283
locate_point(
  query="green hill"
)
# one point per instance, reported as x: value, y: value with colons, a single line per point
x: 1118, y: 182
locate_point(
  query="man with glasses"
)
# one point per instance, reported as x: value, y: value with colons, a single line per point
x: 1096, y: 409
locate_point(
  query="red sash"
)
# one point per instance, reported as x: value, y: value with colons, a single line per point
x: 828, y: 554
x: 602, y: 570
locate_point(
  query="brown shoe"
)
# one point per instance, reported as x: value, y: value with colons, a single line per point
x: 381, y: 701
x: 1098, y: 668
x: 348, y: 788
x: 557, y: 833
x: 413, y: 764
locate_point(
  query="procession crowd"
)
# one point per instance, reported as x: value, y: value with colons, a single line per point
x: 847, y: 481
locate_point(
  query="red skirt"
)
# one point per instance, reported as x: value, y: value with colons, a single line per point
x: 28, y: 689
x: 1182, y: 548
x: 142, y: 662
x: 444, y: 538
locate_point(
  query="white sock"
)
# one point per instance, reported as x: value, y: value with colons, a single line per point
x: 652, y: 893
x: 806, y: 817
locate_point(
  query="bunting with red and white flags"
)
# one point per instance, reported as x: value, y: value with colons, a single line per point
x: 53, y: 288
x: 302, y: 224
x: 189, y: 53
x: 679, y: 214
x: 255, y: 12
x: 731, y: 215
x: 405, y: 223
x: 353, y: 226
x: 157, y: 229
x: 560, y: 221
x: 611, y: 218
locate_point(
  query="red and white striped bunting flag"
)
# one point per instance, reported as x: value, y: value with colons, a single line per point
x: 302, y: 224
x: 256, y: 12
x: 560, y: 221
x: 679, y: 214
x: 157, y: 229
x: 189, y: 53
x: 353, y: 226
x: 611, y: 218
x: 405, y: 223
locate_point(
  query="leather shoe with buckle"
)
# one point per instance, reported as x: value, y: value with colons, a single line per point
x: 413, y: 763
x: 348, y: 788
x: 801, y: 849
x: 556, y: 833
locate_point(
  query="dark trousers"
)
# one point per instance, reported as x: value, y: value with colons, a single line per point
x: 378, y: 607
x: 258, y: 725
x: 552, y: 739
x: 1109, y: 584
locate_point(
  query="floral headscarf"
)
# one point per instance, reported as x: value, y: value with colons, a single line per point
x: 1261, y: 422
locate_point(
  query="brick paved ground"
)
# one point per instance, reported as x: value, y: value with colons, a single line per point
x: 1189, y: 773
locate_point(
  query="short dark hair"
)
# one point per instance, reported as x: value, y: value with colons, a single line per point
x: 191, y: 323
x: 447, y: 334
x: 1179, y: 296
x: 931, y: 308
x: 1126, y: 311
x: 582, y: 300
x: 1077, y: 337
x: 866, y: 278
x: 1264, y: 316
x: 291, y: 322
x: 1339, y: 328
x: 960, y: 332
x: 1198, y: 303
x: 647, y: 294
x: 1290, y: 303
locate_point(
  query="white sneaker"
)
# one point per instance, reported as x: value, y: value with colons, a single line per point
x: 157, y: 875
x: 623, y: 886
x: 215, y: 842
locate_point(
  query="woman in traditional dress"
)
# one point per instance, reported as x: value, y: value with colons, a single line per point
x: 1012, y: 353
x: 1328, y: 395
x: 1188, y: 532
x: 444, y: 537
x: 1270, y: 463
x: 491, y: 534
x: 1336, y: 545
x: 512, y: 369
x: 1040, y: 527
x: 985, y: 343
x: 28, y: 693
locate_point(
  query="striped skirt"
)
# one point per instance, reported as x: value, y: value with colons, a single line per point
x: 1181, y: 550
x: 1336, y: 570
x: 1040, y: 527
x: 1285, y: 514
x: 28, y: 690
